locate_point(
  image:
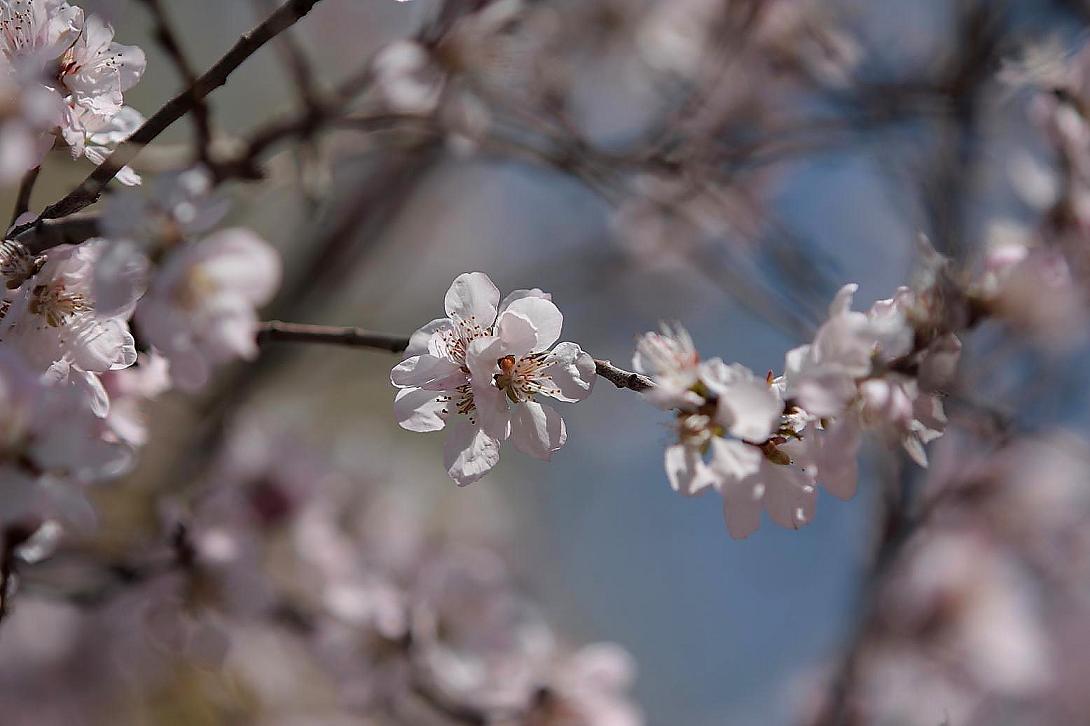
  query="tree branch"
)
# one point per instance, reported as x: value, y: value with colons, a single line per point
x: 281, y: 332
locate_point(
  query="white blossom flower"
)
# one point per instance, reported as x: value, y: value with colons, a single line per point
x: 201, y: 308
x: 54, y: 317
x: 486, y: 355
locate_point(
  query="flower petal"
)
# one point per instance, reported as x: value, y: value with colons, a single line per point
x: 686, y: 470
x: 473, y: 296
x: 572, y: 372
x: 418, y: 342
x: 544, y: 319
x: 520, y: 294
x: 469, y: 453
x: 537, y: 430
x: 427, y: 371
x: 419, y: 410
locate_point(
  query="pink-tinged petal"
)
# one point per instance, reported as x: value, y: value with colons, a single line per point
x: 493, y: 412
x: 686, y: 470
x: 419, y: 410
x: 520, y: 294
x: 734, y: 460
x: 573, y: 373
x: 238, y: 260
x: 742, y: 507
x: 428, y: 372
x: 482, y: 358
x: 835, y: 456
x: 469, y: 453
x: 543, y: 316
x: 517, y: 333
x: 473, y: 296
x: 842, y: 303
x: 418, y: 342
x: 99, y: 345
x: 537, y: 430
x: 749, y: 407
x: 790, y: 495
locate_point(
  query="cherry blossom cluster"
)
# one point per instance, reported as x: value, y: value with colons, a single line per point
x: 480, y: 371
x: 768, y: 442
x: 62, y: 78
x: 70, y: 365
x: 287, y: 576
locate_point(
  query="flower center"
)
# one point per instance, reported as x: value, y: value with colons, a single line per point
x: 458, y: 338
x: 55, y: 304
x: 522, y: 378
x: 461, y: 401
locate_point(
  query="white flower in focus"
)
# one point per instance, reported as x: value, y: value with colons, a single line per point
x: 481, y: 367
x: 508, y: 371
x: 97, y: 71
x: 201, y: 308
x: 55, y: 317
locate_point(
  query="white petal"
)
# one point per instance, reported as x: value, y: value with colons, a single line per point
x: 427, y: 371
x: 418, y: 342
x: 734, y: 460
x: 835, y: 458
x: 748, y: 406
x: 573, y: 373
x: 419, y: 410
x: 742, y: 508
x: 537, y: 430
x: 519, y: 294
x: 686, y: 470
x: 473, y: 295
x: 543, y: 316
x: 790, y: 495
x: 468, y: 452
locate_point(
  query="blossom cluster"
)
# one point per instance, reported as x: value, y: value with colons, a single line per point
x: 62, y: 78
x: 768, y: 442
x: 73, y: 374
x: 287, y: 575
x: 480, y: 371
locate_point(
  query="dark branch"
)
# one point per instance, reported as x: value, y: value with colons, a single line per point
x: 277, y: 331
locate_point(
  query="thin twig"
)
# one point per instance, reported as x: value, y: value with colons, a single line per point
x: 277, y: 331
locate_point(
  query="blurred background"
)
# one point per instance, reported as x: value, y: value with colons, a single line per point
x: 724, y: 164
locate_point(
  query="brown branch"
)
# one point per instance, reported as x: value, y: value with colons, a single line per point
x: 280, y: 332
x: 329, y: 335
x: 45, y: 234
x: 89, y: 191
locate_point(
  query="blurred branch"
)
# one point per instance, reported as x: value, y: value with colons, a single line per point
x: 277, y: 331
x: 168, y: 40
x: 26, y: 189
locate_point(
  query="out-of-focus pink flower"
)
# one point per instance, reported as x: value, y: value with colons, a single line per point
x: 201, y: 308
